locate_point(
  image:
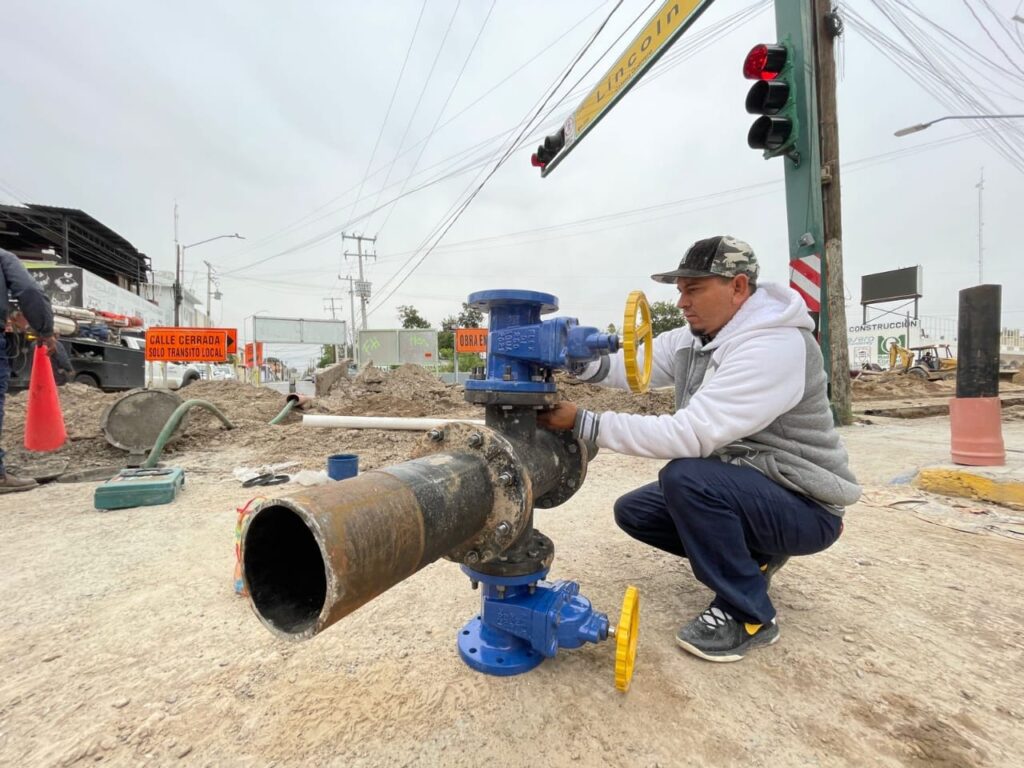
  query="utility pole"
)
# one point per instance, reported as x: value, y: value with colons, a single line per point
x: 334, y: 316
x: 352, y: 305
x: 981, y: 250
x: 827, y: 27
x: 362, y: 287
x: 177, y: 270
x: 209, y: 293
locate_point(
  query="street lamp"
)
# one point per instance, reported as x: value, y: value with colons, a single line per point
x: 180, y: 270
x: 921, y: 126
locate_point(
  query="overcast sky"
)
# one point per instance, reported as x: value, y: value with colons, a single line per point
x: 261, y: 118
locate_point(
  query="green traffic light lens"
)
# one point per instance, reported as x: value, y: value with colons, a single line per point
x: 770, y: 133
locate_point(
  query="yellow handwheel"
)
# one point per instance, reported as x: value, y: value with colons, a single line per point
x: 626, y: 635
x: 633, y: 335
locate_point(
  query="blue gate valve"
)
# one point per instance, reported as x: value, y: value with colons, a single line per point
x: 523, y: 350
x: 524, y: 620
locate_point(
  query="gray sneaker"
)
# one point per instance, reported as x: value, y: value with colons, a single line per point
x: 12, y: 484
x: 717, y: 636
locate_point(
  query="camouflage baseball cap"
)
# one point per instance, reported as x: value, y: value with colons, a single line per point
x: 721, y: 256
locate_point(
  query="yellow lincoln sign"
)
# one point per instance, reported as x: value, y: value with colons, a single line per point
x: 664, y: 28
x: 659, y: 31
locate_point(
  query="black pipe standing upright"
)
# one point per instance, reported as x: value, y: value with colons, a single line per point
x: 977, y: 365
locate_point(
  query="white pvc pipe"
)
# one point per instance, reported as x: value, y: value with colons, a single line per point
x: 379, y: 422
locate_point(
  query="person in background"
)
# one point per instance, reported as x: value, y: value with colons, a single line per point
x: 17, y: 283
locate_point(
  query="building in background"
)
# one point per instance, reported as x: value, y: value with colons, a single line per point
x: 80, y: 262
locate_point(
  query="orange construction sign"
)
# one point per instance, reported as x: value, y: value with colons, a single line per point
x: 470, y: 339
x: 252, y: 361
x: 190, y: 345
x: 232, y: 346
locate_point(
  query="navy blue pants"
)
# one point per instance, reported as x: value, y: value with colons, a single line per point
x: 728, y: 521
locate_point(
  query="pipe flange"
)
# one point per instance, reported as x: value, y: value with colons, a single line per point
x: 511, y: 399
x: 535, y: 552
x: 513, y: 489
x: 573, y: 472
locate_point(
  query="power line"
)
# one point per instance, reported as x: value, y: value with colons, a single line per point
x: 387, y: 113
x: 440, y: 114
x: 698, y: 42
x: 992, y: 37
x: 455, y: 217
x: 925, y: 65
x: 297, y: 223
x: 419, y: 100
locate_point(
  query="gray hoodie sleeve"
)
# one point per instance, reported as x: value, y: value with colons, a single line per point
x: 33, y: 302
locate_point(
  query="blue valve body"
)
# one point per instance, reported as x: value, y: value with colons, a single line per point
x: 522, y: 349
x: 524, y: 620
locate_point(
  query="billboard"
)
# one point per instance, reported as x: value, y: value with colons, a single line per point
x: 894, y: 285
x: 68, y: 286
x: 62, y: 284
x: 398, y: 346
x: 297, y: 330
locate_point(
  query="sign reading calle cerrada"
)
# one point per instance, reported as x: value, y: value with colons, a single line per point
x: 190, y: 345
x: 671, y: 20
x: 470, y: 339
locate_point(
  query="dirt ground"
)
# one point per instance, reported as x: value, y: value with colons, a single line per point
x: 122, y: 641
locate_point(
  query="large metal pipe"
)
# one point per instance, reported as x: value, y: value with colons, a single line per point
x: 311, y: 558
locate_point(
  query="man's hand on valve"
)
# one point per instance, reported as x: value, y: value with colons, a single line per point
x: 561, y: 417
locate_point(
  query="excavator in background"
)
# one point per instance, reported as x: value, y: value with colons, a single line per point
x: 931, y: 362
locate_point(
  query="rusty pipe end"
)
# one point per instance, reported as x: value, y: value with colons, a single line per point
x: 302, y: 402
x: 284, y: 569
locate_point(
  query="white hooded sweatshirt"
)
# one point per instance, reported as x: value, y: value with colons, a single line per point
x: 755, y: 394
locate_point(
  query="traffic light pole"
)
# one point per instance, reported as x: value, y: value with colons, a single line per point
x: 795, y: 97
x: 815, y: 252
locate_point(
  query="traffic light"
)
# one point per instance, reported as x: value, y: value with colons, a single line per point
x: 546, y: 152
x: 773, y: 97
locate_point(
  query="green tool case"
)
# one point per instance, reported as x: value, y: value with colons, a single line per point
x: 140, y: 488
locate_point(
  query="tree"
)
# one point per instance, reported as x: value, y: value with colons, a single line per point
x: 411, y: 317
x: 665, y: 316
x: 470, y: 317
x: 326, y: 356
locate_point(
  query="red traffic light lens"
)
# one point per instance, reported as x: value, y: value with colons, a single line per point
x: 536, y: 162
x: 764, y: 62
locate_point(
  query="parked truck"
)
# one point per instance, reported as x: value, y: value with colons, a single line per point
x: 109, y: 366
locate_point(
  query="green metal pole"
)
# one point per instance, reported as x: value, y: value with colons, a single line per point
x: 794, y: 23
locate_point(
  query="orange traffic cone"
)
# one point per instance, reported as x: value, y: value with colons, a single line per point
x: 44, y: 422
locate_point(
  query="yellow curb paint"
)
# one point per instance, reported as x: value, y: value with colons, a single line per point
x: 954, y: 482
